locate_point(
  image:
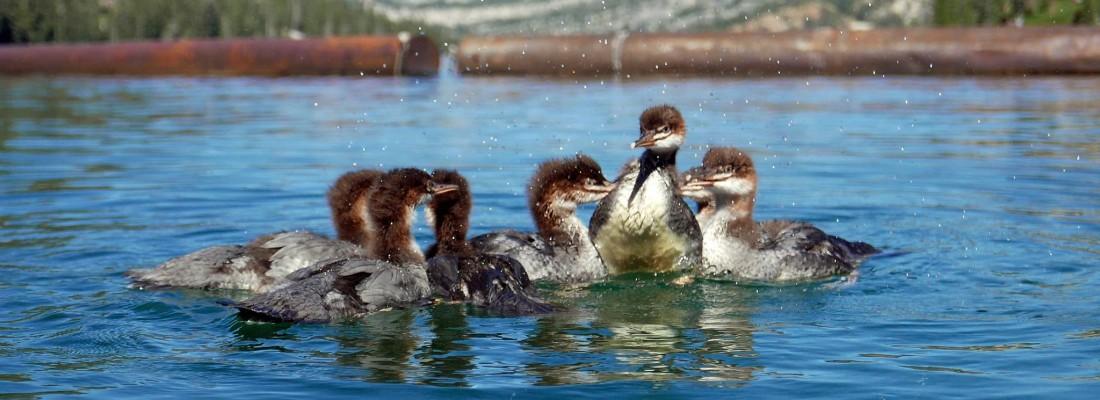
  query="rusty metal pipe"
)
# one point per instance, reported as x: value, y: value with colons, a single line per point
x: 370, y: 55
x: 552, y: 55
x: 925, y: 51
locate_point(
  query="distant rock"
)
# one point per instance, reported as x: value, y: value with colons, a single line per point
x: 561, y: 17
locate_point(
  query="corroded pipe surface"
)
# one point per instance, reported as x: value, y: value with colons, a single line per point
x: 928, y: 51
x: 558, y: 55
x: 370, y: 55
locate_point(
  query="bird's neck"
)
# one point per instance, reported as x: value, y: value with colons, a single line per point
x: 657, y: 159
x: 735, y: 213
x: 347, y: 200
x: 650, y: 162
x: 557, y: 221
x: 394, y: 242
x: 705, y: 210
x: 350, y: 220
x: 450, y: 234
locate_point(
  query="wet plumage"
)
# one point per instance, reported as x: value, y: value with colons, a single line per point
x: 262, y: 264
x: 338, y: 290
x: 736, y: 247
x: 561, y: 250
x: 644, y: 225
x: 458, y: 272
x: 258, y: 266
x: 347, y: 200
x: 348, y: 288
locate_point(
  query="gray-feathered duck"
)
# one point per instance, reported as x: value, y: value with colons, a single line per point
x: 737, y: 247
x: 458, y: 272
x: 350, y: 287
x: 644, y: 225
x: 262, y: 264
x: 560, y: 251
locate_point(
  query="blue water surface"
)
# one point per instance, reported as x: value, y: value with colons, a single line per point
x: 983, y: 192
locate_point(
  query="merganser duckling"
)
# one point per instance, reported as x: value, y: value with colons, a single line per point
x: 736, y: 247
x: 643, y: 225
x: 263, y: 263
x: 457, y: 272
x: 560, y: 251
x: 350, y: 287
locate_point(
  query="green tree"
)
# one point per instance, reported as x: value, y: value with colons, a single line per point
x: 23, y: 21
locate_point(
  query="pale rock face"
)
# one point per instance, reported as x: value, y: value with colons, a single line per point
x: 586, y: 16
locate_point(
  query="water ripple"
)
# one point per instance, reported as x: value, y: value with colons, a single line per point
x: 981, y: 192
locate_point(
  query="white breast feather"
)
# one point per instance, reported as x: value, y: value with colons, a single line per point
x: 730, y: 258
x: 638, y: 230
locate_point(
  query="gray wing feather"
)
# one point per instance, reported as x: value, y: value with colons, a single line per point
x: 339, y: 290
x: 534, y: 253
x: 602, y: 213
x: 794, y: 235
x: 301, y: 301
x: 258, y: 266
x: 681, y: 219
x: 788, y: 251
x: 297, y: 250
x: 804, y: 237
x: 218, y: 267
x: 394, y: 286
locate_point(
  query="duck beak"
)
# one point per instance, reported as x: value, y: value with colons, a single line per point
x: 694, y: 185
x: 440, y: 188
x: 603, y: 188
x: 646, y: 141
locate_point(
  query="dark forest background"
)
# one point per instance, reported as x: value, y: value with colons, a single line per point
x: 32, y: 21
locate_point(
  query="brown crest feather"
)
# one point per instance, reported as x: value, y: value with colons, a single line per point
x: 452, y: 213
x: 347, y: 199
x: 554, y: 178
x: 664, y: 114
x: 390, y: 208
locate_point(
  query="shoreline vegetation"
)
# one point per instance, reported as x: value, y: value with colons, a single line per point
x: 44, y: 21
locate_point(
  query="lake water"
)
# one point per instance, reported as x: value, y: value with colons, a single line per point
x: 984, y: 194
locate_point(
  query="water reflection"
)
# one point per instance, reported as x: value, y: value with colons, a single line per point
x: 381, y: 344
x: 650, y: 329
x: 626, y: 329
x: 447, y: 358
x: 249, y: 334
x: 727, y: 331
